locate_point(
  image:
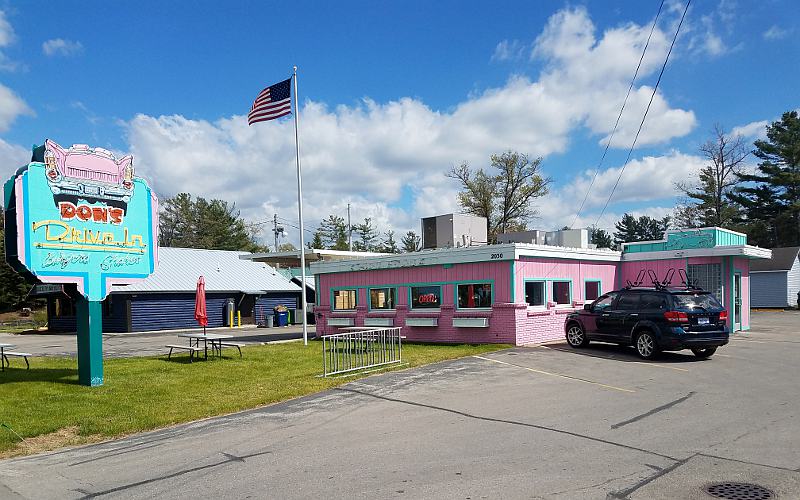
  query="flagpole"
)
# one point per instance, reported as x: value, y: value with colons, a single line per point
x: 300, y: 212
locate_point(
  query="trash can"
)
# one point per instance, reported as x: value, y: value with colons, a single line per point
x: 281, y: 318
x: 270, y: 321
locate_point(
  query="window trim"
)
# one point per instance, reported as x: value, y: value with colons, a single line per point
x: 485, y: 308
x: 342, y: 289
x: 369, y: 298
x: 599, y: 289
x: 432, y: 309
x: 543, y: 281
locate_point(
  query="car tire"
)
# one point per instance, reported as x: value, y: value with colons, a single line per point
x: 705, y: 352
x: 576, y: 336
x: 646, y: 345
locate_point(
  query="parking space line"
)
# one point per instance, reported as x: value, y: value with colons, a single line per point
x: 557, y: 375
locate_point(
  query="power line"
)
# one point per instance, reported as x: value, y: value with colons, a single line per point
x: 647, y: 110
x: 624, y: 102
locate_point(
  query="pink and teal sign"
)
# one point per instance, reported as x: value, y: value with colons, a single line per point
x: 80, y: 217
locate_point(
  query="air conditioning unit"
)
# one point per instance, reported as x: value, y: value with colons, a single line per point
x: 453, y: 231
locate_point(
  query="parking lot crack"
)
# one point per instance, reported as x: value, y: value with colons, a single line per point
x: 654, y: 411
x: 624, y: 494
x: 511, y: 422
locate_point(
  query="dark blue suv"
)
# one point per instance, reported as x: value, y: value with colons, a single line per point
x: 652, y: 320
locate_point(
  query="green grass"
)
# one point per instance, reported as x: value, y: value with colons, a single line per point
x: 150, y: 392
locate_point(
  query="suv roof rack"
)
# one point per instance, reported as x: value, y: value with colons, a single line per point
x: 690, y: 285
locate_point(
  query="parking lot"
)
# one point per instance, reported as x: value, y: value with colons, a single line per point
x: 532, y: 422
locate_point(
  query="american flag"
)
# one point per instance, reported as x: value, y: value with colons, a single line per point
x: 272, y: 102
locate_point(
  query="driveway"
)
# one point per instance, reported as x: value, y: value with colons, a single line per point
x: 538, y: 422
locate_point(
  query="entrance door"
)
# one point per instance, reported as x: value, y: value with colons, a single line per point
x: 737, y: 301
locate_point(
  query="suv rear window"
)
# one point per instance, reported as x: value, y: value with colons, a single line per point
x: 696, y: 300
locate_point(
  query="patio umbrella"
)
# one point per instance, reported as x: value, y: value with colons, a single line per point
x: 200, y: 314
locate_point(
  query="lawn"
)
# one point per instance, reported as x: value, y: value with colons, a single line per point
x: 46, y: 406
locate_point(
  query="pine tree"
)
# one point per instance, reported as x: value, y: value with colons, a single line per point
x: 772, y: 202
x: 411, y: 242
x: 601, y: 238
x: 645, y: 228
x: 200, y: 223
x: 333, y: 233
x: 316, y: 241
x: 367, y: 236
x: 389, y: 245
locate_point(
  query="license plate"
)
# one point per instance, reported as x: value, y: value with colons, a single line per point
x: 91, y: 190
x: 702, y: 321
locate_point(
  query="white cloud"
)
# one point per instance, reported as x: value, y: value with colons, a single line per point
x: 7, y: 38
x: 12, y: 157
x: 508, y: 50
x: 644, y: 180
x: 371, y: 153
x: 756, y: 130
x: 707, y: 38
x: 11, y: 106
x: 61, y: 47
x: 775, y: 32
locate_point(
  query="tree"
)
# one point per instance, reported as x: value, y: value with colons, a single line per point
x: 503, y: 199
x: 389, y: 245
x: 367, y: 236
x: 13, y: 287
x: 601, y: 238
x: 316, y: 241
x: 286, y: 247
x: 333, y: 233
x: 200, y: 223
x: 709, y: 201
x: 771, y: 197
x: 645, y: 228
x: 410, y: 242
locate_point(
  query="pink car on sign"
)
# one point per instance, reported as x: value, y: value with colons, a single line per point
x: 88, y: 173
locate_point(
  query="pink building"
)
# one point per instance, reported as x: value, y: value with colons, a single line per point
x: 519, y: 293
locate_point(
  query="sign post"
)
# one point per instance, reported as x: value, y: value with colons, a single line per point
x: 79, y: 218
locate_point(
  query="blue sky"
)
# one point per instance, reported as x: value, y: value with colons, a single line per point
x: 392, y: 95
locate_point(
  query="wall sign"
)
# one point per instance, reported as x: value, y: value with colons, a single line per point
x: 83, y: 218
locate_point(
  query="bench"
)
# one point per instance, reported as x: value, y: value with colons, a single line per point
x: 191, y: 350
x: 18, y: 354
x: 230, y: 344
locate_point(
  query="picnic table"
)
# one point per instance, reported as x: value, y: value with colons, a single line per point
x: 6, y: 350
x: 215, y: 339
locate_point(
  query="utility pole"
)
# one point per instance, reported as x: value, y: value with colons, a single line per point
x: 275, y: 230
x: 349, y: 230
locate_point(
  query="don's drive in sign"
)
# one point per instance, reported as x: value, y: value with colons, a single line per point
x: 79, y: 216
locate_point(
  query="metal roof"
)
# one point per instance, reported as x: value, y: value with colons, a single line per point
x: 782, y: 260
x: 224, y: 271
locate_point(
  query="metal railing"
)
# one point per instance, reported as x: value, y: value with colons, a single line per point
x: 360, y: 349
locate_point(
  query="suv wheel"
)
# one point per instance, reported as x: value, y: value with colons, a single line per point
x: 646, y: 345
x: 576, y: 337
x: 704, y: 353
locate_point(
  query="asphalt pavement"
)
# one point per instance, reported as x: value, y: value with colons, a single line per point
x: 117, y: 345
x: 533, y: 422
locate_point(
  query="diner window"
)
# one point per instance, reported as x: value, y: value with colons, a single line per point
x: 534, y: 293
x: 426, y: 297
x: 344, y: 299
x: 474, y: 295
x: 382, y: 298
x: 63, y: 307
x: 591, y: 290
x: 561, y: 292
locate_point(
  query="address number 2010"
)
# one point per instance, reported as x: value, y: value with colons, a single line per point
x: 497, y: 256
